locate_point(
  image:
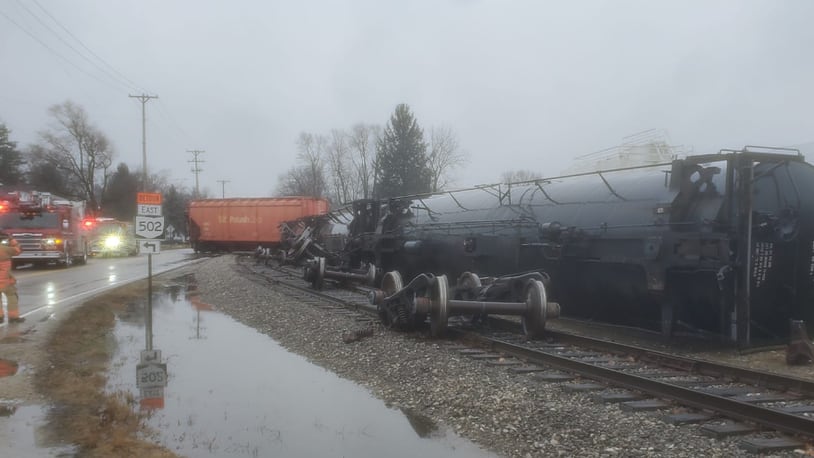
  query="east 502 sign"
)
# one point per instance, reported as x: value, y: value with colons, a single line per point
x: 149, y: 227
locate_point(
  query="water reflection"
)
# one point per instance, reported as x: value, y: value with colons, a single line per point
x: 237, y: 392
x: 422, y: 424
x: 26, y: 432
x: 50, y: 294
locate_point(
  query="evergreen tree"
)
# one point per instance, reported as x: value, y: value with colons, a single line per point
x: 11, y: 161
x: 119, y: 199
x: 401, y: 157
x: 175, y: 208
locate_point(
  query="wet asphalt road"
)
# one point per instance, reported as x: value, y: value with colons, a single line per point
x: 48, y: 290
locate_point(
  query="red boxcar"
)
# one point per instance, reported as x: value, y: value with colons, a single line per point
x: 245, y: 223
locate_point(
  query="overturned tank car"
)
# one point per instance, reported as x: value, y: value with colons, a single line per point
x: 720, y: 243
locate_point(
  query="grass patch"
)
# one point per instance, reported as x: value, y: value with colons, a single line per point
x: 79, y: 352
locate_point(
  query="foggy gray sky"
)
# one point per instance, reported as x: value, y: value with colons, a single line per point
x: 524, y: 84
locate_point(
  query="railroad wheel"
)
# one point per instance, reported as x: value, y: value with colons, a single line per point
x: 467, y: 289
x: 439, y: 313
x: 370, y: 277
x: 536, y: 313
x: 391, y: 284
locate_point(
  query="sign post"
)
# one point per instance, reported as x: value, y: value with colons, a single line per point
x: 151, y: 378
x: 151, y: 374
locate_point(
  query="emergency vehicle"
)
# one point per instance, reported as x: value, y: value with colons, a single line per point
x: 48, y: 228
x: 111, y: 237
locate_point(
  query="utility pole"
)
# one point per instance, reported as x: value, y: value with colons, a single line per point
x: 195, y: 168
x: 143, y: 98
x: 148, y: 313
x: 223, y: 188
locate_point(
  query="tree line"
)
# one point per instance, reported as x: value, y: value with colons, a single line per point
x: 74, y: 159
x: 371, y: 162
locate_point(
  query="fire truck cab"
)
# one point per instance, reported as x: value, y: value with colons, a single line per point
x: 48, y: 228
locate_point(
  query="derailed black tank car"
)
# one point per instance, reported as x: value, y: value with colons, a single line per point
x: 720, y: 243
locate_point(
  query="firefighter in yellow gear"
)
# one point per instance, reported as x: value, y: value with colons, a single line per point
x: 8, y: 284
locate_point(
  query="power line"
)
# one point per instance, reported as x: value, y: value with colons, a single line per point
x: 55, y: 52
x: 165, y: 111
x: 98, y: 67
x: 128, y: 80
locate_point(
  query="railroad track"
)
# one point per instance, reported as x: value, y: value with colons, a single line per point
x: 726, y: 400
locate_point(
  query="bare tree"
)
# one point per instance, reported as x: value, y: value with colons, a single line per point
x: 514, y: 176
x: 362, y: 142
x: 307, y: 179
x: 341, y: 167
x: 443, y: 156
x: 78, y: 148
x: 297, y: 181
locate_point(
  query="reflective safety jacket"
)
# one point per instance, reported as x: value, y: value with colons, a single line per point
x: 6, y: 253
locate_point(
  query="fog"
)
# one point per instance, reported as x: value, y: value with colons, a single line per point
x: 524, y: 84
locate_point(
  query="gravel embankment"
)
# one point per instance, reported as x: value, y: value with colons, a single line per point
x: 513, y: 415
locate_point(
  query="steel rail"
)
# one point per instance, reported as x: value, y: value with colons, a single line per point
x: 768, y: 417
x: 696, y: 366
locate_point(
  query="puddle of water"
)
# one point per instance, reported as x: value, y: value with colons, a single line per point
x: 235, y: 392
x: 25, y: 433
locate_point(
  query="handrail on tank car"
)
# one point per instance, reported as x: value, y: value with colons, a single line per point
x: 609, y: 186
x: 605, y: 228
x: 523, y: 220
x: 770, y: 148
x: 754, y: 155
x: 457, y: 202
x: 495, y: 188
x: 545, y: 193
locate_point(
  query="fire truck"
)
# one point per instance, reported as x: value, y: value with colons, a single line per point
x: 48, y: 228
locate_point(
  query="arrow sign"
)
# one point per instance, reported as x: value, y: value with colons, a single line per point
x: 149, y: 246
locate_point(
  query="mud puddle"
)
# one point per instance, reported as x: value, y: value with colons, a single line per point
x: 232, y: 391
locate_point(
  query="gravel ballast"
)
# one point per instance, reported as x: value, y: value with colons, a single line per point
x: 511, y: 414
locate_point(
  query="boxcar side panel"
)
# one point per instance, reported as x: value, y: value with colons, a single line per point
x: 245, y: 223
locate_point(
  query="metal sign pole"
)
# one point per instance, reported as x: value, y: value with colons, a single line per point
x: 149, y: 314
x: 151, y: 373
